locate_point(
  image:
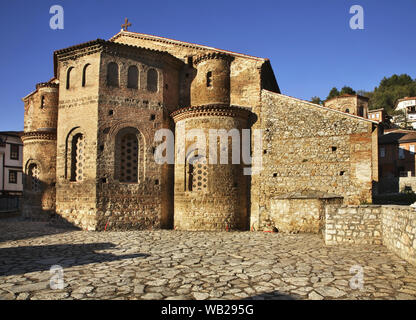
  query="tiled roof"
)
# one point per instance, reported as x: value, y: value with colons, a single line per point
x: 182, y: 43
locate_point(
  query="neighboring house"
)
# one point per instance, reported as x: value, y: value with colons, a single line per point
x: 408, y: 106
x: 11, y: 158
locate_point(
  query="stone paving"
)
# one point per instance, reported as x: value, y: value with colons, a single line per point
x: 192, y: 265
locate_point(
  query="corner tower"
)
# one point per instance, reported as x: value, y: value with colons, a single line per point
x: 39, y: 150
x: 210, y: 193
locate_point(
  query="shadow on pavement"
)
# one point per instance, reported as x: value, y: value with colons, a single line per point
x: 20, y: 260
x: 274, y: 295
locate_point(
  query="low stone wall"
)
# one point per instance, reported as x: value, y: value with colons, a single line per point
x: 399, y: 231
x: 392, y: 226
x: 353, y: 224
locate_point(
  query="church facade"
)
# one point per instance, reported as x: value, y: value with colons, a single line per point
x: 89, y: 139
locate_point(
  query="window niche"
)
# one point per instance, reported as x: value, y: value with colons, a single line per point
x: 86, y: 76
x: 69, y: 76
x: 112, y: 75
x: 133, y: 77
x: 77, y: 158
x: 127, y: 155
x: 152, y: 80
x: 209, y: 79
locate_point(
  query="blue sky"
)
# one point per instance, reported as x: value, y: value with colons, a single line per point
x: 310, y: 44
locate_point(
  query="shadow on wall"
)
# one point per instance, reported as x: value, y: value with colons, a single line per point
x: 21, y: 260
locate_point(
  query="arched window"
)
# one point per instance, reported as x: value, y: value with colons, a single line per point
x: 85, y: 75
x: 42, y: 102
x: 127, y: 157
x: 347, y: 110
x: 33, y: 173
x: 68, y: 77
x: 132, y: 77
x: 209, y: 79
x: 77, y: 158
x: 152, y: 80
x: 112, y: 74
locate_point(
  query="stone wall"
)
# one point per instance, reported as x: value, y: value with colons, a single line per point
x: 299, y: 213
x: 309, y: 147
x: 392, y: 226
x: 353, y: 225
x: 399, y: 231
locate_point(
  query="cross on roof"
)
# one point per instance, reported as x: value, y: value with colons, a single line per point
x: 126, y: 24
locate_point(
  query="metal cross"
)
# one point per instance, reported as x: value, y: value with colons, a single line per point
x: 126, y: 24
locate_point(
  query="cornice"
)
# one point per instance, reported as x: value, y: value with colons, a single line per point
x: 213, y: 55
x: 212, y: 110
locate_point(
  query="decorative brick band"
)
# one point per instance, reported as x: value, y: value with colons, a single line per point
x: 47, y: 85
x: 216, y: 110
x: 213, y: 55
x: 39, y: 135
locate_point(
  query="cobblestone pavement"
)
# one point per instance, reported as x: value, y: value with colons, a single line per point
x: 192, y: 265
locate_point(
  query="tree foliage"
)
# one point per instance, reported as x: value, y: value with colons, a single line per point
x: 390, y: 90
x: 386, y: 94
x: 333, y: 93
x: 316, y: 100
x: 346, y: 90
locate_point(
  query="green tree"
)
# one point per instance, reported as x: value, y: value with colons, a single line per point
x: 316, y: 100
x: 390, y: 90
x: 347, y: 90
x: 333, y: 93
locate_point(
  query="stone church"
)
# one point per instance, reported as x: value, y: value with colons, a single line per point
x: 89, y: 141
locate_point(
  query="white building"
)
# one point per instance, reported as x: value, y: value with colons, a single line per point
x: 11, y: 158
x: 408, y: 105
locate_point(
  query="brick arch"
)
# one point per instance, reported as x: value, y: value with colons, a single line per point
x: 114, y: 135
x: 28, y: 177
x: 70, y: 78
x: 74, y: 132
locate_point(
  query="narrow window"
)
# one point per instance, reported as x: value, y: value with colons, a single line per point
x: 129, y: 161
x: 152, y: 79
x: 412, y: 148
x: 34, y: 182
x: 68, y: 77
x: 42, y: 102
x: 347, y: 110
x: 401, y: 153
x: 382, y: 152
x: 132, y: 77
x: 209, y: 79
x: 85, y: 75
x: 14, y: 152
x: 12, y: 176
x: 77, y: 158
x: 112, y: 74
x: 199, y: 176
